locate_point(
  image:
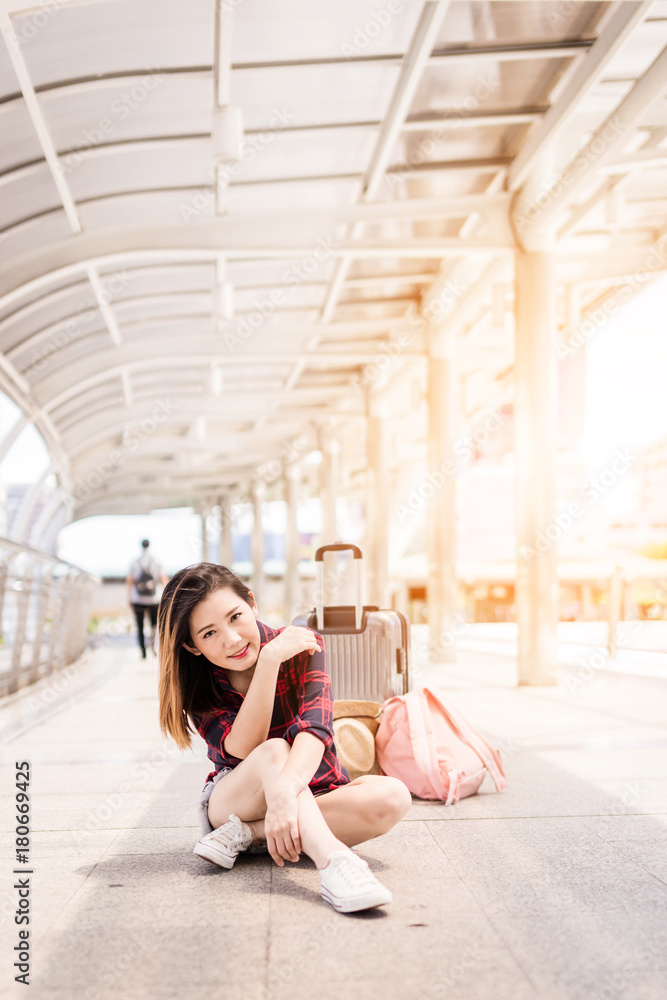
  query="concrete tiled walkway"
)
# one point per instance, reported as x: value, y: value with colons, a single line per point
x: 554, y: 890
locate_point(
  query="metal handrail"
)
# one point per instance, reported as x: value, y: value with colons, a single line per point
x: 19, y: 548
x: 44, y: 608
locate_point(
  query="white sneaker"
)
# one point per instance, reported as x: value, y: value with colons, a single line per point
x: 349, y: 884
x: 222, y: 846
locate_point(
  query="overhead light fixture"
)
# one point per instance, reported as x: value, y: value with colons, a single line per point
x: 227, y: 134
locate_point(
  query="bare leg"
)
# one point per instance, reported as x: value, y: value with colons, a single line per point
x: 365, y: 808
x: 243, y: 791
x: 361, y: 810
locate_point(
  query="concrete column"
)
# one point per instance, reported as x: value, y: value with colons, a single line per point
x: 257, y: 491
x: 329, y: 480
x: 629, y: 611
x: 377, y: 505
x: 614, y: 608
x: 440, y: 488
x: 225, y: 556
x: 204, y: 535
x: 535, y: 412
x: 291, y: 484
x: 587, y: 605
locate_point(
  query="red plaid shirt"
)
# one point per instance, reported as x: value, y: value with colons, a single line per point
x: 302, y: 704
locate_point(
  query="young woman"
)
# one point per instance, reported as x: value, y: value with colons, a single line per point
x: 261, y: 698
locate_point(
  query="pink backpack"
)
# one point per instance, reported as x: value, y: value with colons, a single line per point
x: 432, y: 749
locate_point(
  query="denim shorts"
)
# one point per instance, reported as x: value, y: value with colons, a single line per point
x: 204, y: 824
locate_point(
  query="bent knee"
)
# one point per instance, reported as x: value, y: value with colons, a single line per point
x: 276, y: 749
x: 399, y: 797
x: 391, y: 799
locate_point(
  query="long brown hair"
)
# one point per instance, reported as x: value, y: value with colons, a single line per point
x: 186, y: 681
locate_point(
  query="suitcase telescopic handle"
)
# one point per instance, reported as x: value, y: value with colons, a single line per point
x: 319, y: 563
x: 337, y: 547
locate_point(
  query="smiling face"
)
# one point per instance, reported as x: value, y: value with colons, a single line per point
x: 224, y: 628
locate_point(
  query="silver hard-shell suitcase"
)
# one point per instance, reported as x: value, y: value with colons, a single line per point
x: 367, y: 649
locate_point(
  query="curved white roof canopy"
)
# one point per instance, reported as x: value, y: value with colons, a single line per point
x: 388, y: 159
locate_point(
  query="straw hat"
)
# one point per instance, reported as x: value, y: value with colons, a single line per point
x: 355, y: 746
x: 366, y: 712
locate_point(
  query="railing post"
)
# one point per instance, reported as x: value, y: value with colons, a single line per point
x: 22, y: 590
x: 57, y: 622
x: 4, y: 571
x: 41, y: 611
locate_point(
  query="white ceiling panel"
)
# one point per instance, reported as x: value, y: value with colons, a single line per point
x: 57, y: 305
x: 119, y: 38
x: 151, y: 329
x: 264, y: 197
x: 27, y: 236
x: 143, y: 207
x: 27, y: 194
x: 19, y: 144
x: 485, y: 85
x: 451, y: 144
x: 469, y: 22
x: 321, y: 29
x: 36, y: 357
x: 8, y: 82
x: 169, y: 304
x: 328, y: 94
x: 151, y: 165
x: 169, y: 278
x: 136, y: 107
x: 309, y: 154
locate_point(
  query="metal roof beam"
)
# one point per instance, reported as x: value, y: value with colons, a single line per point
x: 110, y: 433
x: 100, y: 366
x: 126, y: 245
x: 327, y: 217
x: 624, y: 17
x: 412, y: 68
x: 13, y: 388
x: 599, y: 150
x: 58, y: 391
x: 427, y: 122
x: 360, y: 328
x: 513, y: 51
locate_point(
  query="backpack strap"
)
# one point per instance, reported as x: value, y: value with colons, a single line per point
x: 484, y: 750
x: 453, y: 793
x: 422, y: 742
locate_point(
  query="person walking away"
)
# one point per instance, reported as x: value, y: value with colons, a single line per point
x: 143, y: 592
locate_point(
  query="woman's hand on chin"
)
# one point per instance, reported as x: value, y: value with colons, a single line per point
x: 292, y: 640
